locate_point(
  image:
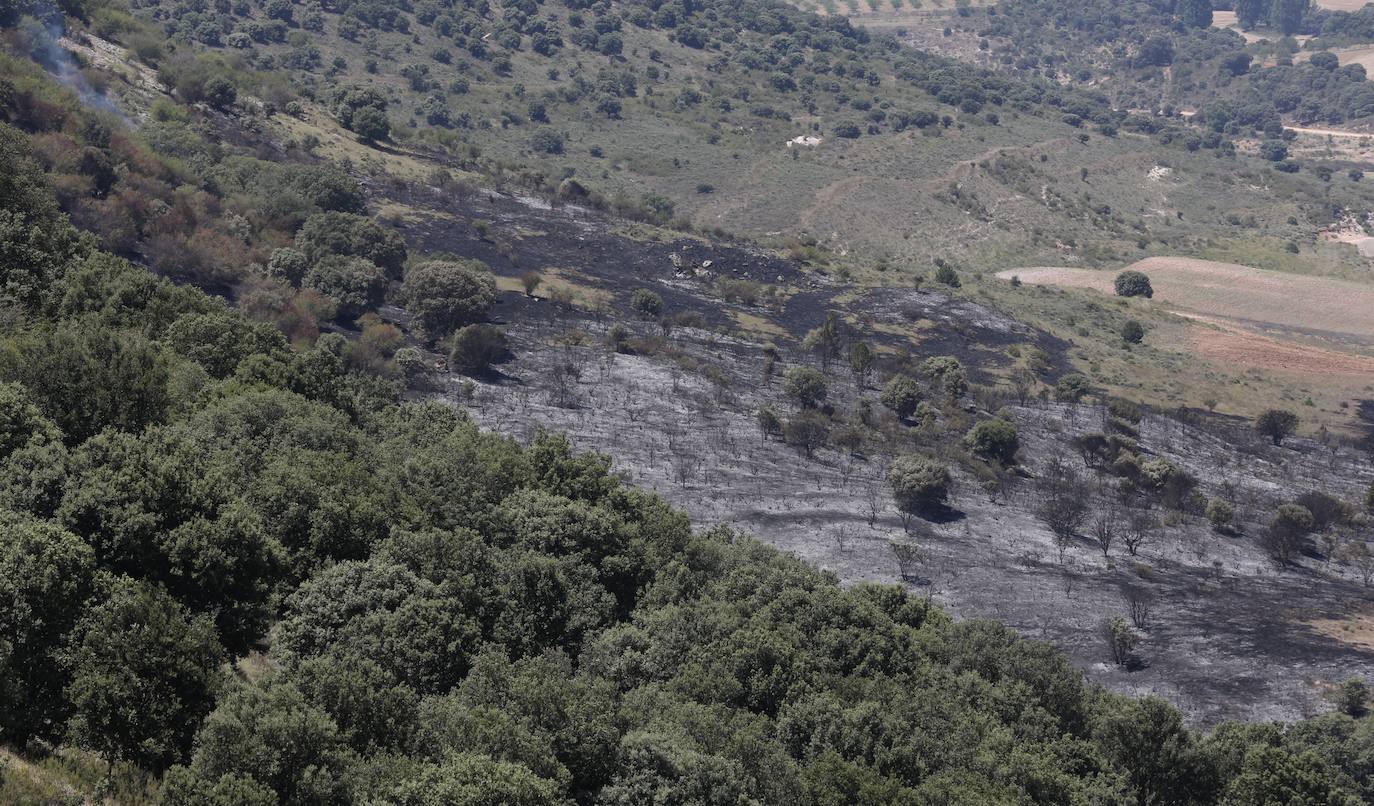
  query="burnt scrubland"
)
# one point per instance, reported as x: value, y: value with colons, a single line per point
x: 482, y: 404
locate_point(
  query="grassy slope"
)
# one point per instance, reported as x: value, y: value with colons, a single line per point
x: 885, y: 200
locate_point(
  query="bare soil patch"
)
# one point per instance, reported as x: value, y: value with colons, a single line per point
x: 1342, y: 5
x: 1321, y: 307
x: 1227, y: 344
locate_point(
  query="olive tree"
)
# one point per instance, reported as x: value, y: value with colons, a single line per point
x: 902, y: 395
x: 919, y: 485
x: 805, y: 386
x: 994, y: 440
x: 1287, y: 532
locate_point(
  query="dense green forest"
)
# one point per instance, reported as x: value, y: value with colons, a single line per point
x: 1156, y: 53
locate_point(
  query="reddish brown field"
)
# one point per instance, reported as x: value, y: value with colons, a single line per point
x: 1315, y: 331
x: 1229, y: 345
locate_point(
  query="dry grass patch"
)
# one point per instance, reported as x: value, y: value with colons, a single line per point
x: 337, y: 143
x: 563, y: 285
x: 751, y: 323
x: 1356, y: 629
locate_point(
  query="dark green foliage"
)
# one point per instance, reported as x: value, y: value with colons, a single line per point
x: 87, y: 377
x: 646, y: 304
x: 476, y: 348
x: 219, y: 92
x: 1072, y: 387
x: 349, y: 235
x: 36, y: 242
x: 1273, y: 150
x: 218, y: 341
x: 46, y: 576
x: 288, y: 264
x: 383, y: 613
x: 947, y: 275
x: 994, y: 440
x: 152, y: 508
x: 547, y: 141
x: 807, y: 431
x: 1250, y: 12
x: 947, y: 374
x: 1273, y: 776
x: 144, y: 672
x: 804, y: 386
x: 357, y: 285
x: 1132, y: 332
x: 467, y: 779
x: 362, y: 110
x: 919, y: 484
x: 444, y: 296
x: 902, y: 395
x: 1277, y: 424
x: 1287, y: 533
x: 1133, y: 284
x: 1195, y: 13
x: 1353, y: 697
x: 267, y: 739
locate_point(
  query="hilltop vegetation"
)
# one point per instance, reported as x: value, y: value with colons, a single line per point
x: 1157, y: 55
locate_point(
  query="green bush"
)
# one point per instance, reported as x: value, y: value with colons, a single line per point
x: 1072, y: 387
x: 476, y: 347
x: 919, y: 484
x: 646, y: 304
x: 358, y: 285
x: 805, y: 387
x: 994, y: 440
x: 351, y: 235
x: 443, y: 296
x: 1132, y: 283
x: 901, y: 395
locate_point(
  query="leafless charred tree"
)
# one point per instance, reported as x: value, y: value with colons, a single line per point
x: 1022, y: 384
x: 1140, y: 529
x: 908, y: 556
x: 1139, y: 605
x: 1063, y: 503
x: 1106, y: 523
x: 841, y: 536
x: 875, y: 493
